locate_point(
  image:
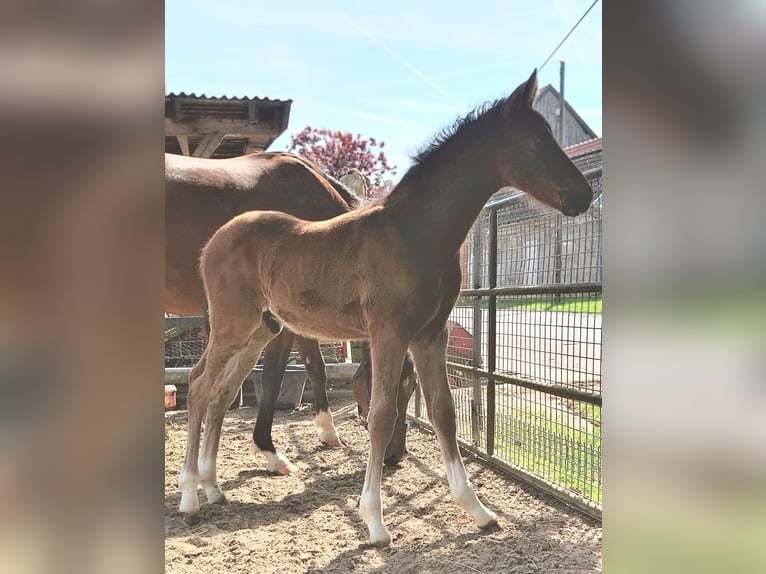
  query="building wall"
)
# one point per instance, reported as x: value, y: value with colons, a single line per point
x: 547, y: 104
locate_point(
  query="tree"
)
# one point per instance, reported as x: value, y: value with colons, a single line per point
x: 337, y: 152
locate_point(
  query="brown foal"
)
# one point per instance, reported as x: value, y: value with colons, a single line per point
x: 388, y: 273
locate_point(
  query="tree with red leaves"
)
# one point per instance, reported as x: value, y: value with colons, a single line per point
x: 337, y: 152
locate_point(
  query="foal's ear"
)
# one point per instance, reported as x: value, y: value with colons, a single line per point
x: 524, y: 95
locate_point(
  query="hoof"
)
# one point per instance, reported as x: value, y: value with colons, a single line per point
x: 491, y: 524
x: 221, y: 500
x: 381, y: 542
x: 192, y: 519
x: 279, y: 464
x: 392, y: 461
x: 275, y: 462
x: 285, y: 469
x: 334, y: 442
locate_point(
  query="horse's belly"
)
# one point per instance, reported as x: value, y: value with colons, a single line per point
x: 327, y: 327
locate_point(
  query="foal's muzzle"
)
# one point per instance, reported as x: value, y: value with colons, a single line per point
x: 576, y: 201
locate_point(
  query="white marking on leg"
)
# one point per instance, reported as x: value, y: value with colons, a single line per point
x: 275, y: 462
x: 208, y: 480
x: 464, y: 495
x: 187, y: 483
x: 371, y: 513
x: 326, y: 430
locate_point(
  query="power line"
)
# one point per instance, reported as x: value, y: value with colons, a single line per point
x: 568, y: 34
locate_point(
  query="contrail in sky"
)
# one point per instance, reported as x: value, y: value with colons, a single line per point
x: 405, y: 63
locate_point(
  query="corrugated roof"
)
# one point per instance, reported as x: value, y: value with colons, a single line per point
x: 225, y: 98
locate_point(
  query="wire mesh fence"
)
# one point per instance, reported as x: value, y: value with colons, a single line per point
x: 185, y: 343
x: 529, y: 397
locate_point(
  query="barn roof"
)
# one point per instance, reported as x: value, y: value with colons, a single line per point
x: 588, y: 146
x: 222, y: 126
x: 570, y: 110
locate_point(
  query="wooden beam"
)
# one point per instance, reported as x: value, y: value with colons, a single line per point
x: 183, y: 141
x: 209, y: 144
x: 233, y: 128
x: 177, y: 115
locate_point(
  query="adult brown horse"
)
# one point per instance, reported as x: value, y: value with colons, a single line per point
x: 203, y: 194
x: 399, y: 258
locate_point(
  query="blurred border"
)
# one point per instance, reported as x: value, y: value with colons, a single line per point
x: 685, y: 313
x: 81, y: 455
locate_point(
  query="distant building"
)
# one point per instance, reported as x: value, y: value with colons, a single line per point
x: 575, y: 129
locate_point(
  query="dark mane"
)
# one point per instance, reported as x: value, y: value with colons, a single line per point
x: 448, y: 132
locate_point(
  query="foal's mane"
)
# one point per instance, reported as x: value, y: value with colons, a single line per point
x: 452, y: 130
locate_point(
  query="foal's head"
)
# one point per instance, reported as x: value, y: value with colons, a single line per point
x: 532, y: 161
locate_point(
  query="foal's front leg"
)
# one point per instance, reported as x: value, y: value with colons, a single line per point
x: 430, y: 362
x: 387, y: 357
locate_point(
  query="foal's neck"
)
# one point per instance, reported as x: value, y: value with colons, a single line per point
x: 439, y: 199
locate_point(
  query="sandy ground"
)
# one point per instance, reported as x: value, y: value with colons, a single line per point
x: 308, y: 523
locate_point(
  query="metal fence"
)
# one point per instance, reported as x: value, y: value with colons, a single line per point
x: 186, y: 339
x: 530, y: 400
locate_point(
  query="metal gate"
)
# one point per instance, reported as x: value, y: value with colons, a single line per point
x: 529, y: 398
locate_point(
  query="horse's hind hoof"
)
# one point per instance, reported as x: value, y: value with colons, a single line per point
x: 221, y: 500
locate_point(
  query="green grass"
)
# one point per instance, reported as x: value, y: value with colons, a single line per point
x: 567, y: 457
x: 565, y: 304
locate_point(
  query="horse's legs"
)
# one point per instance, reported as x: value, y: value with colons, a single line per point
x: 213, y: 384
x: 237, y: 368
x: 315, y: 369
x: 361, y: 382
x: 388, y: 350
x: 275, y: 359
x: 397, y: 448
x: 429, y: 356
x: 196, y: 404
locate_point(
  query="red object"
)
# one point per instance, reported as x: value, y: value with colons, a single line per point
x: 459, y: 343
x: 170, y: 396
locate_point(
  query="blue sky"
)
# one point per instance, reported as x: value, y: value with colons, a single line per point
x: 396, y: 70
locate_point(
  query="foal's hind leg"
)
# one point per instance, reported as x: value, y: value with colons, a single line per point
x: 196, y: 404
x: 274, y: 362
x: 315, y: 368
x: 231, y: 380
x: 216, y: 379
x: 429, y: 356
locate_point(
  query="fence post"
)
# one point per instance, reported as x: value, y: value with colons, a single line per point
x: 491, y: 331
x: 476, y: 401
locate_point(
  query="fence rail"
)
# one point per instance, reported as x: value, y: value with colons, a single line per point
x: 529, y: 401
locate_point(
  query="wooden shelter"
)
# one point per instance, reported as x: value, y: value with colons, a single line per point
x: 221, y: 127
